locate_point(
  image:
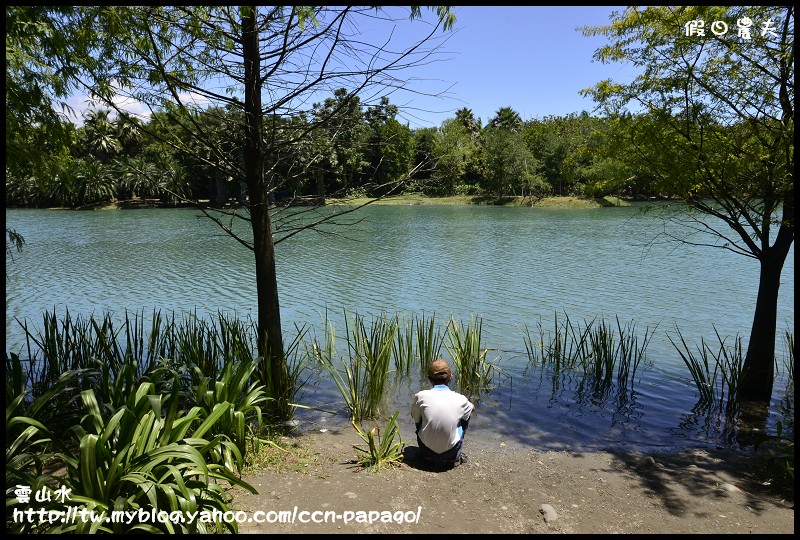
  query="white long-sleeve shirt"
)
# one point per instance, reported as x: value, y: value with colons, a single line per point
x: 440, y: 410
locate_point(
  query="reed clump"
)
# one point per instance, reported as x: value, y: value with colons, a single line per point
x: 473, y: 372
x: 603, y: 353
x: 714, y: 374
x: 362, y: 376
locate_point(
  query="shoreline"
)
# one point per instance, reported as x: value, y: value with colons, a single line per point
x: 476, y: 200
x: 513, y: 489
x: 406, y: 199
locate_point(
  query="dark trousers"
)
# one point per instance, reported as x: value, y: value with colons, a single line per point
x: 445, y: 458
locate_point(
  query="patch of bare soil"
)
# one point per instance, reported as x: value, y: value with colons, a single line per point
x: 510, y: 489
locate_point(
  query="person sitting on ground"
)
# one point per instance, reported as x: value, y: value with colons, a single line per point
x: 442, y: 417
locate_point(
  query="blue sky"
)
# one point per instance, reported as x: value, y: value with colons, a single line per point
x: 530, y: 58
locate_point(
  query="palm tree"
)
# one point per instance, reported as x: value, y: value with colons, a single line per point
x: 506, y: 118
x: 101, y: 136
x: 128, y: 132
x: 95, y: 182
x: 467, y: 119
x: 140, y: 177
x: 173, y: 183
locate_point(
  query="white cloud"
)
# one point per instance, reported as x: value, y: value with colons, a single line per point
x: 82, y: 103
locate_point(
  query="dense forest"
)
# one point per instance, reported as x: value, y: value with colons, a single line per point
x: 364, y: 151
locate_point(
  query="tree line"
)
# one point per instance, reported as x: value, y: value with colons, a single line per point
x: 362, y: 151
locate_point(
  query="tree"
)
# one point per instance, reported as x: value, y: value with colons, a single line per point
x: 719, y: 133
x: 264, y: 64
x: 466, y: 118
x: 101, y: 135
x: 390, y: 147
x: 347, y: 132
x: 510, y: 167
x: 506, y: 118
x: 48, y: 52
x: 424, y: 148
x: 452, y: 151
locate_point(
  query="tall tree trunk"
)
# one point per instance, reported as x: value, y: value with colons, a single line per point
x: 320, y: 187
x: 220, y: 192
x: 759, y: 364
x: 270, y: 340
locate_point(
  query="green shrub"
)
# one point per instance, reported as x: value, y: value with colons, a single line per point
x: 381, y: 451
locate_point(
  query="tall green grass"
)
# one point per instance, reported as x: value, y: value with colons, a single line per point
x: 789, y: 358
x: 403, y: 351
x: 472, y: 371
x: 613, y: 356
x: 429, y: 341
x: 370, y: 347
x: 713, y: 373
x: 418, y: 342
x: 561, y: 348
x: 287, y: 389
x: 604, y: 354
x: 161, y: 418
x: 350, y: 375
x: 208, y: 345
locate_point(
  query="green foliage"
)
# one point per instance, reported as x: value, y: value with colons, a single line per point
x: 351, y: 384
x: 403, y: 346
x: 473, y: 372
x: 561, y: 348
x: 789, y: 358
x: 511, y: 168
x: 236, y: 386
x: 390, y: 149
x: 604, y: 357
x: 126, y: 444
x: 131, y: 428
x: 380, y: 451
x: 372, y: 346
x: 611, y: 353
x: 418, y: 341
x: 712, y: 121
x: 453, y: 151
x: 28, y: 441
x: 285, y: 389
x: 149, y: 454
x: 362, y: 378
x: 429, y: 341
x: 14, y: 241
x: 727, y: 362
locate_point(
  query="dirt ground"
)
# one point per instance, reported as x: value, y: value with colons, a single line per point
x: 509, y: 489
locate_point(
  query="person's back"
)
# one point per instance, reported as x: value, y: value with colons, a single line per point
x: 441, y: 417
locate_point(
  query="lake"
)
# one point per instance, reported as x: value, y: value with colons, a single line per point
x: 509, y: 267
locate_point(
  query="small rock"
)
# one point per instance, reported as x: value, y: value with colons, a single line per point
x: 350, y: 495
x: 548, y: 512
x: 730, y: 488
x: 647, y: 462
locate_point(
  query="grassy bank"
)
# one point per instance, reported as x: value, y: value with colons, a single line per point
x: 547, y: 202
x: 409, y: 199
